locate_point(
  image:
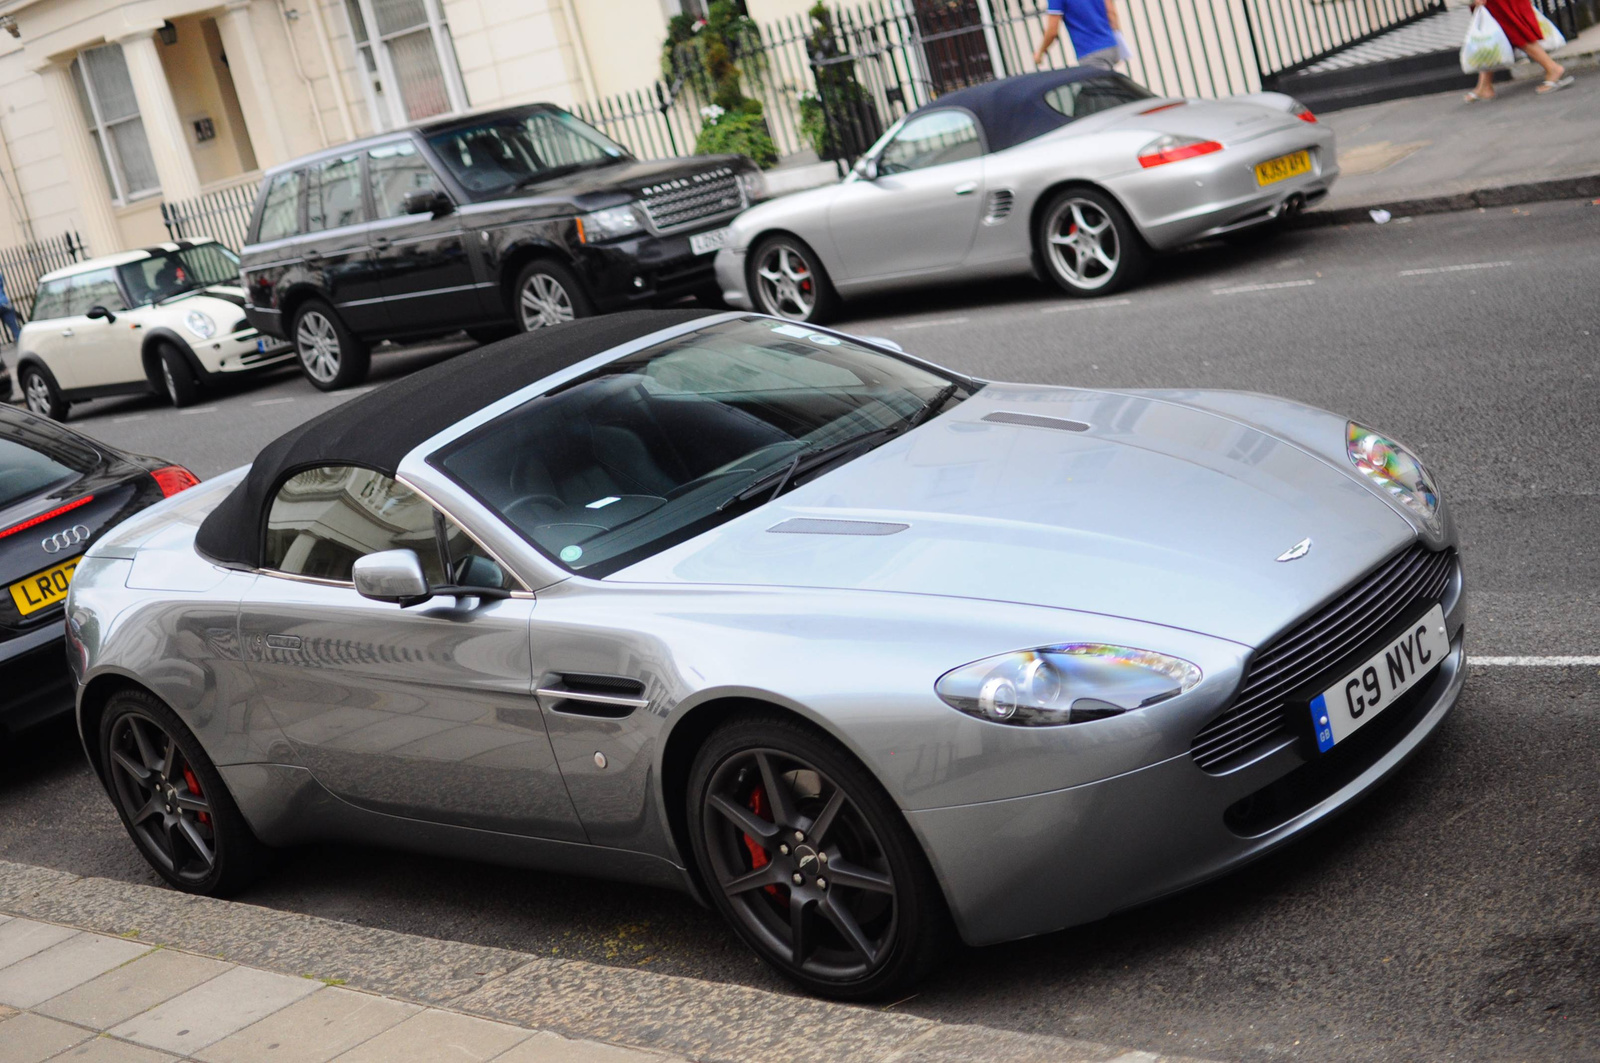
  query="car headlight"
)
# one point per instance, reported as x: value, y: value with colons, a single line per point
x: 1395, y: 470
x: 607, y: 224
x: 753, y: 184
x: 1072, y: 683
x: 200, y: 323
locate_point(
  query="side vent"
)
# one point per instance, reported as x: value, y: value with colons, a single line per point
x: 824, y: 526
x: 1034, y: 420
x: 581, y: 694
x: 999, y: 208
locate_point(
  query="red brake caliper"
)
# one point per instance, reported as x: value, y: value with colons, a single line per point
x: 194, y: 788
x: 758, y: 855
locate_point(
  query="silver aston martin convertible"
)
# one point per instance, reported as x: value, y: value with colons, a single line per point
x: 1075, y: 174
x: 854, y: 648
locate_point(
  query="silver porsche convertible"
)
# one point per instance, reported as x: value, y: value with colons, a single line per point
x: 863, y: 652
x: 1075, y: 174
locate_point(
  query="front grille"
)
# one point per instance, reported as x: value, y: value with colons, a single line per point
x: 685, y: 200
x: 1318, y: 643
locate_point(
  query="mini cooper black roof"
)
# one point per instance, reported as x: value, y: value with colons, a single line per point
x: 1013, y: 110
x: 379, y: 428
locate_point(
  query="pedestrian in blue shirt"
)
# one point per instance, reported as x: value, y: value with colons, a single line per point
x: 1091, y: 25
x: 8, y: 316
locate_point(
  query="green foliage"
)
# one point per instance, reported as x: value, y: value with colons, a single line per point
x: 741, y: 132
x: 709, y: 58
x: 813, y: 123
x: 840, y: 121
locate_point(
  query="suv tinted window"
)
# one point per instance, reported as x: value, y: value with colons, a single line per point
x: 51, y: 300
x: 393, y: 171
x: 931, y: 140
x: 280, y: 215
x: 97, y: 288
x: 323, y: 519
x: 512, y: 150
x: 333, y: 194
x: 1079, y: 99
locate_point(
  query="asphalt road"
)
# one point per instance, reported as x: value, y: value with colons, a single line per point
x: 1455, y: 914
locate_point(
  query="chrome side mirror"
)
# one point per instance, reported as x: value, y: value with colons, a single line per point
x: 391, y: 576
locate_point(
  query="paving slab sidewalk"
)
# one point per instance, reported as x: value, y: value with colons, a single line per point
x: 108, y: 972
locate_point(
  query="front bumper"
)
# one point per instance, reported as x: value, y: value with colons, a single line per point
x: 34, y: 678
x: 239, y: 352
x: 731, y: 277
x: 645, y: 269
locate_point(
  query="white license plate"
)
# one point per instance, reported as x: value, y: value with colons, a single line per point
x: 1355, y: 700
x: 705, y: 243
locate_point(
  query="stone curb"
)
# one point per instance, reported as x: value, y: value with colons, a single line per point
x: 1500, y: 196
x: 711, y: 1022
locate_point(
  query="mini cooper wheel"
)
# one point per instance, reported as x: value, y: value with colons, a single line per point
x: 548, y: 294
x: 330, y: 354
x: 42, y: 395
x: 172, y: 801
x: 812, y: 863
x: 787, y: 279
x: 177, y: 377
x: 1088, y: 244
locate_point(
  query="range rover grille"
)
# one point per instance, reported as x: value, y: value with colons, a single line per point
x: 1257, y: 716
x: 685, y: 200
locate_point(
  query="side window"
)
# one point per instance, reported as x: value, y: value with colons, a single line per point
x: 98, y: 288
x: 933, y: 139
x: 51, y: 300
x: 280, y: 215
x: 1079, y: 99
x: 333, y: 194
x: 393, y: 170
x: 322, y: 519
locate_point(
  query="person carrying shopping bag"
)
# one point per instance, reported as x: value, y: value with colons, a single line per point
x: 1522, y: 28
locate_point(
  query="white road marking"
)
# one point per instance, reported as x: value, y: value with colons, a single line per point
x: 933, y: 324
x: 131, y: 417
x: 1241, y: 289
x: 271, y: 402
x: 1536, y: 662
x: 198, y: 409
x: 1097, y: 304
x: 1453, y: 269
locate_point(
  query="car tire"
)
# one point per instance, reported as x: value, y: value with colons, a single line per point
x: 41, y: 394
x: 788, y: 279
x: 548, y: 294
x: 172, y: 801
x: 177, y: 377
x: 331, y: 356
x: 1088, y: 245
x: 878, y: 926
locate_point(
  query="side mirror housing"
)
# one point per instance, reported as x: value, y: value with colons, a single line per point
x: 427, y: 201
x: 391, y: 576
x: 98, y: 312
x: 866, y: 168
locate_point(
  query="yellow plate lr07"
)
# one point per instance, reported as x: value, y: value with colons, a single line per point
x: 43, y: 588
x: 1283, y: 167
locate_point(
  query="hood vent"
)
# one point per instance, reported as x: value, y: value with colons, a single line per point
x: 825, y: 526
x: 999, y: 208
x: 1034, y: 420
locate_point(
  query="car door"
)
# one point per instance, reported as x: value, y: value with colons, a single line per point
x: 335, y: 246
x: 920, y: 211
x: 426, y: 712
x: 104, y: 352
x: 425, y: 262
x: 49, y: 332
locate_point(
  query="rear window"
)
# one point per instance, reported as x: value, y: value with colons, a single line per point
x: 36, y: 458
x: 1079, y: 99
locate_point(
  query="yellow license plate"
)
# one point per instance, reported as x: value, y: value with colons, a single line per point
x: 43, y: 588
x: 1283, y: 167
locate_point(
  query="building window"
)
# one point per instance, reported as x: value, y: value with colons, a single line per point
x: 407, y: 59
x: 111, y: 111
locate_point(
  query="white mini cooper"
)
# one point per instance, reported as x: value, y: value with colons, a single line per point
x: 167, y: 319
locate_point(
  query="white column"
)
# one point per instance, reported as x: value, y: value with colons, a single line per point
x: 169, y: 140
x: 95, y: 212
x: 251, y: 83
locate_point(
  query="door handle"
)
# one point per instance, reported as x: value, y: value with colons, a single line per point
x: 966, y: 189
x: 312, y: 254
x: 66, y: 332
x: 284, y: 642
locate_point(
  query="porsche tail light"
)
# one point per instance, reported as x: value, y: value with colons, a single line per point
x: 1171, y: 148
x: 41, y: 518
x: 174, y: 478
x: 1302, y: 112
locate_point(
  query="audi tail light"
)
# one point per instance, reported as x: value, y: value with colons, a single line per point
x: 174, y: 478
x: 52, y: 515
x: 1170, y: 148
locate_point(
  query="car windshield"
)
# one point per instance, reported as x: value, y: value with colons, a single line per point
x: 34, y: 458
x: 168, y: 273
x: 517, y: 150
x: 663, y: 444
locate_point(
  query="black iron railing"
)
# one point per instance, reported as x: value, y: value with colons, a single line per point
x: 223, y: 215
x: 24, y: 264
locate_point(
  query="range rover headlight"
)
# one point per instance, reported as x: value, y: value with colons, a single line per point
x: 1395, y: 470
x: 1071, y: 683
x: 607, y: 224
x: 199, y: 322
x: 753, y: 184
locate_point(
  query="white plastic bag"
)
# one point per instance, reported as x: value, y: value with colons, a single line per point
x: 1125, y: 50
x: 1552, y: 36
x: 1487, y: 47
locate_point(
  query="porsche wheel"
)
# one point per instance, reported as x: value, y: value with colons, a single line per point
x: 172, y: 800
x: 41, y: 394
x: 330, y: 354
x: 1087, y: 243
x: 811, y: 862
x: 787, y: 279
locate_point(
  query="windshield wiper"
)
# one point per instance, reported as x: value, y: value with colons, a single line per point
x: 809, y: 459
x: 932, y: 406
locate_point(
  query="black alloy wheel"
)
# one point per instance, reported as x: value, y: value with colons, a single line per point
x: 331, y: 355
x: 177, y: 377
x: 787, y: 279
x: 172, y: 800
x: 41, y: 394
x: 1087, y: 243
x: 811, y: 862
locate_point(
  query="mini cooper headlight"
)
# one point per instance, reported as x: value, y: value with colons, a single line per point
x: 1071, y: 683
x: 1396, y: 470
x: 607, y: 224
x: 200, y: 323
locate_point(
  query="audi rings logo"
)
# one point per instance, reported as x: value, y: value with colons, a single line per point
x: 65, y: 539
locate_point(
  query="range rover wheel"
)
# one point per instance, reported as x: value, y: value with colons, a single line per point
x: 331, y: 355
x: 172, y: 801
x: 548, y: 294
x: 1087, y: 243
x: 787, y: 280
x: 811, y: 862
x: 42, y: 395
x: 177, y: 377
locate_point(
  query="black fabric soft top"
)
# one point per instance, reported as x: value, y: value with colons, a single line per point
x: 1013, y: 110
x: 379, y: 428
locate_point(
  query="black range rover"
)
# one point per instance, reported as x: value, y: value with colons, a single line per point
x: 491, y: 222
